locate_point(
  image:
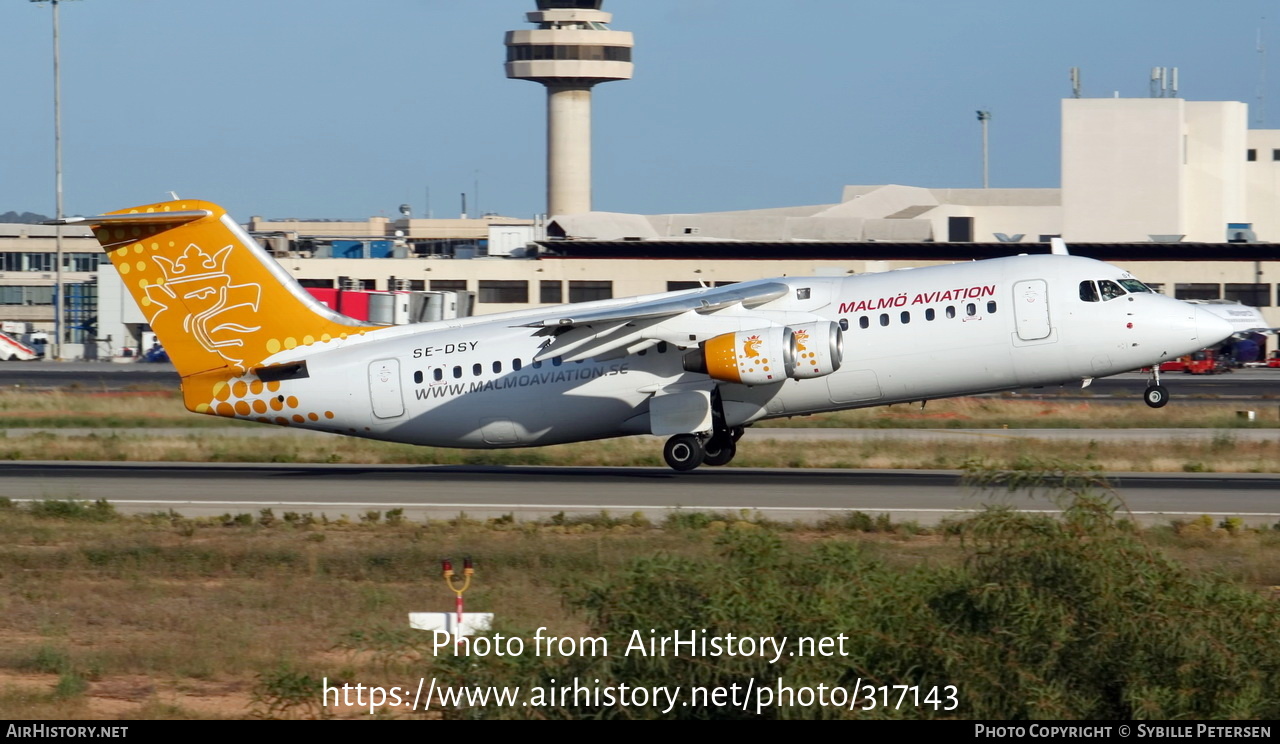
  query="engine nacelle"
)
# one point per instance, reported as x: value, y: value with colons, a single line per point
x: 819, y: 349
x: 760, y: 357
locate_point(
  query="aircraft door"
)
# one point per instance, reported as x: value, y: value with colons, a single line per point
x: 384, y: 389
x: 1031, y: 309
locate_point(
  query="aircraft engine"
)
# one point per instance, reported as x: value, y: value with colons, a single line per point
x: 758, y: 357
x: 819, y: 349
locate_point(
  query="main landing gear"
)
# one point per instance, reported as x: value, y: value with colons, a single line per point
x: 1156, y: 395
x: 684, y: 452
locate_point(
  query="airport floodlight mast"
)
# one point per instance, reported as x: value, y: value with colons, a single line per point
x: 56, y: 351
x: 570, y: 51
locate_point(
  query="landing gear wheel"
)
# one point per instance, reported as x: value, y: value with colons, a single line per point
x: 719, y: 449
x: 1156, y: 396
x: 684, y: 452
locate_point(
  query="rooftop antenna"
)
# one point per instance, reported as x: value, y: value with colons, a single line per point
x: 1164, y: 82
x: 1075, y: 82
x: 1260, y: 118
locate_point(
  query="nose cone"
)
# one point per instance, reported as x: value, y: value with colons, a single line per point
x: 1210, y: 328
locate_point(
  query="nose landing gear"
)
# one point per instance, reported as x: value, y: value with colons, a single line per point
x: 1156, y: 395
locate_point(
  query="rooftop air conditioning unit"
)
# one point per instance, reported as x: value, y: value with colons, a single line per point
x: 1241, y: 232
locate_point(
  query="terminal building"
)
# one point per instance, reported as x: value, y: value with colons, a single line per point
x: 1181, y: 193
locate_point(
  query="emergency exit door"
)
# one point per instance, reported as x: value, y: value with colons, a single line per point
x: 384, y: 389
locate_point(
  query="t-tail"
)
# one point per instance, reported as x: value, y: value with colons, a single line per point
x: 218, y: 303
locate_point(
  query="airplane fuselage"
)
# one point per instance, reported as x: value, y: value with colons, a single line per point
x: 909, y: 335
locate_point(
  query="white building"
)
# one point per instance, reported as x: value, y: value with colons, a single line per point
x: 1135, y: 173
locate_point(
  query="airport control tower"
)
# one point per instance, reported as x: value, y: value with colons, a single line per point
x: 570, y: 52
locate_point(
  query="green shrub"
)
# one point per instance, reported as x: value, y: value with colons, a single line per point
x: 72, y: 510
x: 1069, y: 616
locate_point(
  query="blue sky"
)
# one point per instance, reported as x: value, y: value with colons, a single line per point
x: 345, y: 109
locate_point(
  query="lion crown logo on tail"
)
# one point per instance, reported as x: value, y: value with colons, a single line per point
x: 199, y: 284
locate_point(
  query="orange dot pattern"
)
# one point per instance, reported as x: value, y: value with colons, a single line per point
x: 247, y: 397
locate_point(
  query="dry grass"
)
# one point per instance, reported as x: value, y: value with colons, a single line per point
x: 132, y: 414
x: 163, y: 408
x: 1222, y: 453
x: 1020, y: 413
x: 164, y: 617
x: 123, y: 409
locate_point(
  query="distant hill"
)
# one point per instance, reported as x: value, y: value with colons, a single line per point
x: 26, y: 218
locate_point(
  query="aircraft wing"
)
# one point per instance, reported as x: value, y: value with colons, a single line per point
x: 709, y: 300
x: 626, y: 329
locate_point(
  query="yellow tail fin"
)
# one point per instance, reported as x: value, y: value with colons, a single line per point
x: 218, y: 302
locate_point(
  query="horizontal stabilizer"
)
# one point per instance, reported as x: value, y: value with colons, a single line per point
x: 136, y: 218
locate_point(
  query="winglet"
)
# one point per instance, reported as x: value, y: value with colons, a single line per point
x: 1058, y: 247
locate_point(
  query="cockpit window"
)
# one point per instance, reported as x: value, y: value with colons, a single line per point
x: 1089, y: 291
x: 1110, y: 290
x: 1135, y: 286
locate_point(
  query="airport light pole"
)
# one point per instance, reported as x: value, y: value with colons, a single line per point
x: 984, y: 117
x: 58, y: 299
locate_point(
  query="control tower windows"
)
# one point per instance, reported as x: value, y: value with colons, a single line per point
x: 569, y: 4
x: 527, y: 52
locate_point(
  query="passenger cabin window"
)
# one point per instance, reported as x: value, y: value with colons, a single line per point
x: 417, y: 377
x: 476, y: 369
x: 1089, y: 292
x: 457, y: 373
x: 884, y: 319
x: 497, y: 368
x: 438, y: 374
x: 905, y: 317
x: 1110, y: 290
x: 951, y: 311
x: 930, y: 314
x: 971, y: 309
x: 844, y: 324
x: 991, y: 306
x: 864, y: 322
x: 516, y: 364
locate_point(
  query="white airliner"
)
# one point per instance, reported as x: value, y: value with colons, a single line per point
x: 697, y: 366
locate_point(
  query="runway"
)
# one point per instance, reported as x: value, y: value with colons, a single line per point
x: 443, y: 492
